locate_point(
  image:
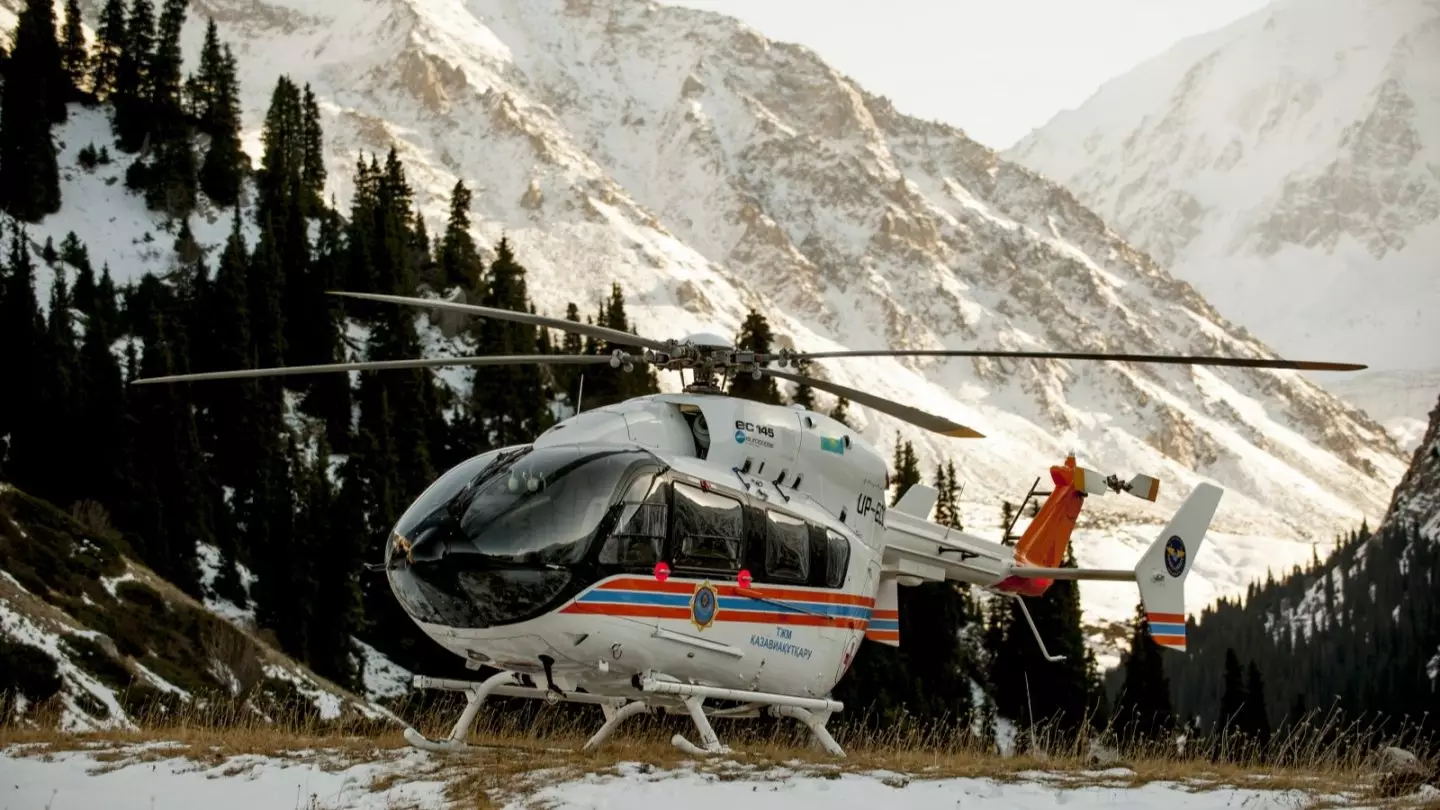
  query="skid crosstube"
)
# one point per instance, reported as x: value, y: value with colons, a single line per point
x: 655, y: 692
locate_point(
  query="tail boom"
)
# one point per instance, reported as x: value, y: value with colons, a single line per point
x: 1160, y: 573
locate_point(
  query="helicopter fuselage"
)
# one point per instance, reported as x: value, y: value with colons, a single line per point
x: 716, y: 540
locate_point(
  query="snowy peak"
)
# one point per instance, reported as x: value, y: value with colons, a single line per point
x: 1293, y: 156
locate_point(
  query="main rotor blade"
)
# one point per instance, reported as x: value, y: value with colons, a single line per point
x: 598, y: 332
x: 914, y: 416
x: 376, y: 365
x: 1248, y: 362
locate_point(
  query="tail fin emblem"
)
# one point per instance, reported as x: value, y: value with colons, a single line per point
x: 1175, y: 556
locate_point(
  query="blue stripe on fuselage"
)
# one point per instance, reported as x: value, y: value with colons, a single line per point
x: 1166, y: 629
x: 766, y: 604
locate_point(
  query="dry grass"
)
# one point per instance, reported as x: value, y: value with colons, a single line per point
x: 524, y: 749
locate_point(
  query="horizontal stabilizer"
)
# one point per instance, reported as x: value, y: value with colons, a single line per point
x: 917, y: 501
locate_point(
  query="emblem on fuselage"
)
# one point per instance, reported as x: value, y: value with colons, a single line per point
x: 1175, y: 555
x: 704, y: 604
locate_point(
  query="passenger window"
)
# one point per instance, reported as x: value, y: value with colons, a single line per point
x: 640, y: 531
x: 837, y: 560
x: 708, y: 530
x: 787, y: 549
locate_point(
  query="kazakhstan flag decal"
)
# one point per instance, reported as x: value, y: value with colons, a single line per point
x: 832, y: 445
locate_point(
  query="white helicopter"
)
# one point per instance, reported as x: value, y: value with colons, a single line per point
x: 674, y: 549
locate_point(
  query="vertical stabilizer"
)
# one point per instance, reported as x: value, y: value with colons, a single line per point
x: 1161, y: 572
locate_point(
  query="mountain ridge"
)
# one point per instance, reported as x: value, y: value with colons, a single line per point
x: 1291, y: 156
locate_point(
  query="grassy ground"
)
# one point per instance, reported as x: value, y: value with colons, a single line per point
x: 522, y: 751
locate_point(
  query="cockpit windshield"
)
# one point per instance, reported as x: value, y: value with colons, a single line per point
x: 522, y: 506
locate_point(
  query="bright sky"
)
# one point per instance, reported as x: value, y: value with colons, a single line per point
x: 995, y: 68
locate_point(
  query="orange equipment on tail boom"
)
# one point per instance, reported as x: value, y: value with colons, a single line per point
x: 1048, y: 536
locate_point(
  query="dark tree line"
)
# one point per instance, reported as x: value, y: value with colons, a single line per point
x: 1355, y: 634
x: 274, y: 473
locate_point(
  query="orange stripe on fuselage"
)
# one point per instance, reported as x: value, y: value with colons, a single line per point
x: 1166, y: 618
x: 687, y: 586
x: 721, y: 616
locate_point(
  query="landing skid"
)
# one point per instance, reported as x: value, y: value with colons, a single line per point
x: 654, y: 693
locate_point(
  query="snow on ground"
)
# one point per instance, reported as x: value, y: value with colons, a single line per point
x: 637, y: 789
x: 74, y: 780
x: 78, y: 779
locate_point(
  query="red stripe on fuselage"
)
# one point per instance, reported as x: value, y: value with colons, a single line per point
x: 687, y: 586
x: 1166, y: 618
x: 738, y: 616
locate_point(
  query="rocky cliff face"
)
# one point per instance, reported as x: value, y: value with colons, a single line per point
x: 1288, y: 165
x: 1417, y: 497
x: 709, y: 170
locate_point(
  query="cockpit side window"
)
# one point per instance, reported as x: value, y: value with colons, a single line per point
x: 640, y: 529
x: 837, y: 559
x: 709, y: 530
x: 787, y: 549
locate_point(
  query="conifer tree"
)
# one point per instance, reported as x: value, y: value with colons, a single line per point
x: 804, y: 395
x: 841, y: 412
x: 328, y: 397
x: 755, y: 336
x: 312, y: 155
x: 74, y: 54
x: 1143, y: 710
x: 1254, y: 717
x: 29, y: 171
x: 22, y: 333
x: 200, y: 86
x: 171, y: 480
x: 269, y: 521
x: 133, y: 79
x: 281, y: 160
x: 952, y: 497
x: 101, y: 426
x: 225, y: 162
x: 49, y: 61
x: 506, y: 402
x: 48, y: 446
x: 231, y: 404
x: 109, y: 43
x: 942, y: 504
x: 907, y: 469
x: 329, y: 520
x: 460, y: 262
x: 1232, y: 700
x: 171, y: 177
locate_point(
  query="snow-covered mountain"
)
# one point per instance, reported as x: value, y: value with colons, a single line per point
x: 1287, y: 165
x: 709, y: 170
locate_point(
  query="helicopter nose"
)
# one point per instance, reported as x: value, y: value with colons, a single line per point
x: 451, y: 593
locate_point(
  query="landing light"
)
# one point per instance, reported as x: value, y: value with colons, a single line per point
x: 662, y: 571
